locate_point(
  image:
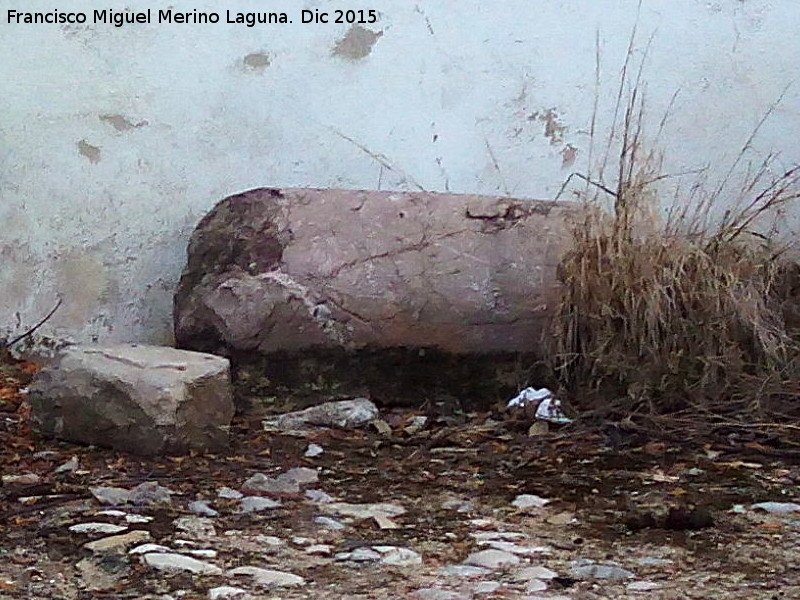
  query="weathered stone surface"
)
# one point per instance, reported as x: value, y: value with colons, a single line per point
x: 280, y: 272
x: 273, y: 270
x: 142, y: 399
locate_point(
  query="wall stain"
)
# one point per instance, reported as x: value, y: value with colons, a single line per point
x: 81, y: 281
x: 121, y: 123
x: 257, y: 61
x: 553, y: 127
x: 568, y: 155
x: 356, y: 44
x: 89, y: 151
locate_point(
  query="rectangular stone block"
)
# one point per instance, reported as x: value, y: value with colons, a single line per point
x: 142, y: 399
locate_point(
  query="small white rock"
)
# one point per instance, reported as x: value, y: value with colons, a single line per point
x: 313, y: 451
x: 319, y: 549
x: 251, y: 504
x: 535, y: 572
x: 464, y: 571
x: 145, y: 548
x: 319, y: 497
x: 492, y: 559
x: 135, y: 519
x: 527, y: 501
x: 229, y: 494
x: 643, y: 586
x: 97, y: 528
x: 535, y: 585
x: 777, y: 508
x: 329, y: 523
x: 269, y: 578
x: 226, y: 592
x: 516, y: 549
x: 397, y: 556
x: 176, y: 563
x: 487, y: 587
x: 201, y: 507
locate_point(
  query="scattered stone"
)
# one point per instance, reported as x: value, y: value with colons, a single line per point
x: 300, y: 476
x: 360, y: 555
x: 397, y: 556
x: 487, y: 587
x: 22, y: 479
x: 458, y: 505
x: 329, y: 523
x: 464, y: 571
x: 535, y: 572
x: 204, y: 553
x: 260, y: 484
x: 492, y: 559
x: 137, y: 519
x: 528, y: 501
x: 313, y: 451
x: 196, y: 527
x: 111, y: 513
x: 515, y: 548
x: 102, y: 572
x: 319, y: 497
x: 108, y: 528
x: 201, y: 507
x: 229, y: 494
x: 142, y: 399
x: 416, y: 424
x: 364, y: 511
x: 643, y: 586
x: 344, y: 414
x: 115, y: 496
x: 777, y: 508
x: 439, y: 594
x: 251, y: 504
x: 649, y: 561
x: 269, y: 578
x: 484, y: 536
x: 301, y: 541
x: 68, y: 467
x: 535, y: 585
x: 150, y: 493
x: 117, y: 543
x: 176, y: 563
x: 319, y: 549
x: 228, y: 593
x: 147, y: 548
x: 600, y: 572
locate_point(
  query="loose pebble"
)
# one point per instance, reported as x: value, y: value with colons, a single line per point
x: 492, y: 559
x: 177, y: 563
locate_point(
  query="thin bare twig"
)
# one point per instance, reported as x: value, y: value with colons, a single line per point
x: 33, y: 329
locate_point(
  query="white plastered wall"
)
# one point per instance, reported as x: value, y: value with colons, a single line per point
x: 115, y: 141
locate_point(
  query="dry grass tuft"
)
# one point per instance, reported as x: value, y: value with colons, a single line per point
x: 692, y: 313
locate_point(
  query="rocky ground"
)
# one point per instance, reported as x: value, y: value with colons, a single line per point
x: 411, y: 506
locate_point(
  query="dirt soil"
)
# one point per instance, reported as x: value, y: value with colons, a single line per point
x: 677, y: 516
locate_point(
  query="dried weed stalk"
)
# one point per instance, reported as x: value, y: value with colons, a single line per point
x: 696, y: 312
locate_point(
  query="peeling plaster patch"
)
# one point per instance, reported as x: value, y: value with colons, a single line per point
x: 82, y: 282
x: 120, y: 123
x: 17, y: 277
x: 568, y: 155
x: 357, y: 44
x: 553, y: 127
x: 257, y: 61
x: 89, y: 151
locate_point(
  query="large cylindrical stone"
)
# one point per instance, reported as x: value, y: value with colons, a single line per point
x: 293, y: 269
